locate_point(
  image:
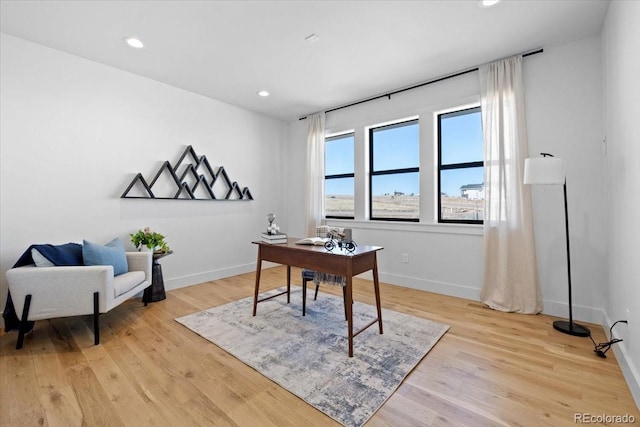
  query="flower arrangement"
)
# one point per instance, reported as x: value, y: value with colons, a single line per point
x: 150, y: 239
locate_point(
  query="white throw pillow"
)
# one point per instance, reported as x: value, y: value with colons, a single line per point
x: 39, y: 260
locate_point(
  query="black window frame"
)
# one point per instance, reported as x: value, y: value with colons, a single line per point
x: 451, y: 166
x: 373, y: 173
x: 340, y: 175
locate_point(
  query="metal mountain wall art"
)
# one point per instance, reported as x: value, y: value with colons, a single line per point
x: 192, y: 178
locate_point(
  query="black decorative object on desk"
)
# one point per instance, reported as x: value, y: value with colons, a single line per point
x: 155, y: 292
x: 340, y: 241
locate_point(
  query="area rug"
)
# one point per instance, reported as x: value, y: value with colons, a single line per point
x: 309, y: 355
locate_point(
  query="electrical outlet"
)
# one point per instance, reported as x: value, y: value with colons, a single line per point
x: 405, y: 258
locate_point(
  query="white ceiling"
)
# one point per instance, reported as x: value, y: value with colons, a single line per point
x: 228, y: 50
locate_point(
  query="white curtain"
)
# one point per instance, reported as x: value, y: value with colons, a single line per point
x: 510, y: 270
x: 315, y: 174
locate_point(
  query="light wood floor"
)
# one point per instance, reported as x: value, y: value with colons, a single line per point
x: 490, y: 369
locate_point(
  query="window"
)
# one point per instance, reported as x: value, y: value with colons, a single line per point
x: 460, y: 167
x: 394, y: 172
x: 339, y: 176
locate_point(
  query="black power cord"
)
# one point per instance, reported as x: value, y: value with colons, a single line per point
x: 602, y: 348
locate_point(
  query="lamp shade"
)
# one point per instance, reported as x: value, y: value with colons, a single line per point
x: 544, y: 170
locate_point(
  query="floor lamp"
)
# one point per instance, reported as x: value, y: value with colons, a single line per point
x: 551, y: 171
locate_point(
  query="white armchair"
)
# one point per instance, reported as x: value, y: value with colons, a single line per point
x: 49, y: 292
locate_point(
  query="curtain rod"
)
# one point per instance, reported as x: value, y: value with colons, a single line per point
x: 395, y: 92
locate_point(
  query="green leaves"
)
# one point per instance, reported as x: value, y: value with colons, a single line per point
x: 150, y: 239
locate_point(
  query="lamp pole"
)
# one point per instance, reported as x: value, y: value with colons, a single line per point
x: 562, y: 325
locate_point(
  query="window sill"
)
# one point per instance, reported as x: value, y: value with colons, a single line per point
x: 417, y: 227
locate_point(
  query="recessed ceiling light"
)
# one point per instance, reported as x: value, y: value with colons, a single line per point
x: 134, y: 42
x: 488, y: 3
x: 263, y: 93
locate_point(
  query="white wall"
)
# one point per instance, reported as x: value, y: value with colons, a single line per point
x: 73, y: 135
x: 563, y: 101
x: 621, y: 43
x: 564, y: 118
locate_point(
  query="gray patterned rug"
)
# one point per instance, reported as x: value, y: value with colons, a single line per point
x: 309, y: 355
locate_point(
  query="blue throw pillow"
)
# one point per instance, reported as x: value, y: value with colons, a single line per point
x: 112, y: 253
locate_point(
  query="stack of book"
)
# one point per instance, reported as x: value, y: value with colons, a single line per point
x: 274, y: 238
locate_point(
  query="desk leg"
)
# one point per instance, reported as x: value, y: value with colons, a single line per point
x: 257, y: 289
x: 349, y: 307
x: 376, y: 287
x: 288, y: 284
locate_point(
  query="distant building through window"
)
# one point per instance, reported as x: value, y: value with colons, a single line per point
x: 472, y: 191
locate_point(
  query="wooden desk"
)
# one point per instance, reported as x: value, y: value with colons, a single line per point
x: 339, y: 262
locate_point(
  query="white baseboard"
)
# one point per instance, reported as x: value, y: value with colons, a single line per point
x: 451, y: 289
x: 206, y: 276
x: 580, y: 313
x: 552, y: 308
x: 629, y: 369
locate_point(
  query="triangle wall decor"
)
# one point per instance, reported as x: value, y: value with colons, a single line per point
x: 196, y: 181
